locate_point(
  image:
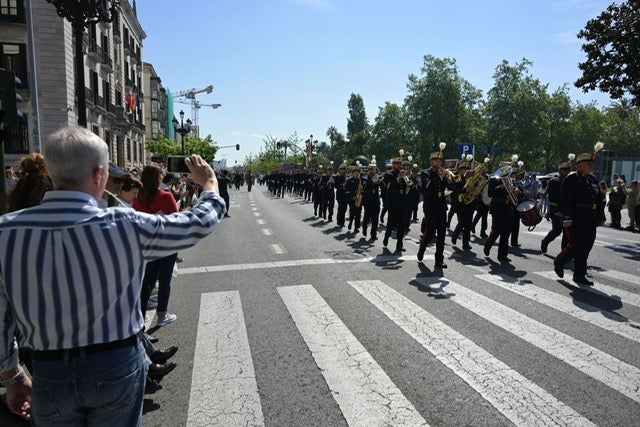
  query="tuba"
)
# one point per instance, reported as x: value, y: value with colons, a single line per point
x: 504, y: 174
x: 475, y: 184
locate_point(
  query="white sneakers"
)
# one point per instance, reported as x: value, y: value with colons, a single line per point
x: 165, y: 318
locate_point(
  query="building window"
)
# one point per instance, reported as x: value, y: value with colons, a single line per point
x: 14, y: 58
x: 12, y: 10
x: 128, y: 150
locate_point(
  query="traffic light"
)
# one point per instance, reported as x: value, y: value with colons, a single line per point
x: 8, y: 97
x: 237, y: 147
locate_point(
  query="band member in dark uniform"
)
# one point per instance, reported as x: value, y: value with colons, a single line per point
x: 340, y: 179
x: 383, y: 196
x: 329, y: 194
x: 434, y: 181
x: 503, y: 201
x: 396, y: 203
x: 580, y: 203
x: 316, y: 190
x: 555, y: 214
x: 353, y: 190
x: 518, y: 176
x: 414, y: 193
x: 371, y: 200
x: 465, y: 211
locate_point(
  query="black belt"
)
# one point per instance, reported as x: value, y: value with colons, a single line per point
x: 49, y: 355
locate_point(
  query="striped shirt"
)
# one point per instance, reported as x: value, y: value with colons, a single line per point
x: 71, y: 272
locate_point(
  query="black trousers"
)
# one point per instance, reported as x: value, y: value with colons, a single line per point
x: 435, y: 226
x: 580, y: 241
x: 371, y: 212
x: 501, y: 226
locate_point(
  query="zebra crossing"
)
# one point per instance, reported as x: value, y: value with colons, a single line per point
x: 365, y: 393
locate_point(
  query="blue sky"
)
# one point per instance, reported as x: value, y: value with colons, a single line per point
x: 284, y: 66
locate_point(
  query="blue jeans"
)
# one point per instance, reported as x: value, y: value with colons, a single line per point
x: 162, y: 271
x: 102, y: 389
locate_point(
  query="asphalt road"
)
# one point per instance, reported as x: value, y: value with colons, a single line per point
x: 286, y: 320
x: 290, y: 321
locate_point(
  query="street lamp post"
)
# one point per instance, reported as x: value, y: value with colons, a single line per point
x: 81, y: 14
x: 182, y: 130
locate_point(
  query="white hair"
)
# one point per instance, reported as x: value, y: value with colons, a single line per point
x: 72, y: 154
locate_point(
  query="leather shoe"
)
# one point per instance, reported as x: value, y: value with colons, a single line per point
x: 466, y: 247
x: 385, y: 241
x: 454, y: 239
x: 441, y: 265
x: 543, y: 247
x: 161, y: 356
x: 157, y: 372
x: 504, y: 259
x: 487, y: 250
x: 558, y: 269
x: 151, y: 386
x: 421, y: 254
x: 515, y: 245
x: 583, y: 281
x: 484, y: 235
x: 152, y: 339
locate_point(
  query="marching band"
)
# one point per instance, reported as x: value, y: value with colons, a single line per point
x: 574, y: 208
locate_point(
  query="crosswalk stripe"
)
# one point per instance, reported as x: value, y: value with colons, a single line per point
x: 599, y: 288
x: 267, y: 232
x: 294, y: 263
x: 620, y: 275
x: 599, y: 365
x: 224, y: 390
x: 364, y: 392
x: 606, y: 320
x: 520, y: 400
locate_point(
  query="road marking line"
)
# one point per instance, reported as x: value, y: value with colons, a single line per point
x: 294, y: 263
x: 254, y: 208
x: 597, y: 364
x: 277, y: 249
x: 520, y: 400
x: 619, y: 275
x: 625, y: 297
x: 609, y: 321
x: 365, y: 393
x: 261, y: 221
x: 224, y: 390
x: 267, y: 232
x: 256, y: 213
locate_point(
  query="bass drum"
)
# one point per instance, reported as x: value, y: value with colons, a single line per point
x: 529, y: 213
x: 485, y: 195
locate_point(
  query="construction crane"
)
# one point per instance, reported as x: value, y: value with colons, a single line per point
x: 195, y: 108
x: 191, y: 94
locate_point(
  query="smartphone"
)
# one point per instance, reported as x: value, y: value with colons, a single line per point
x: 176, y: 164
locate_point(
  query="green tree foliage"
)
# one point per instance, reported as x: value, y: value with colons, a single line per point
x: 516, y: 112
x: 388, y: 133
x: 192, y: 145
x: 357, y: 125
x: 622, y: 129
x: 436, y: 108
x: 613, y: 52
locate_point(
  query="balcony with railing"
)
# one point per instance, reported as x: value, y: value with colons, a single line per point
x: 89, y: 95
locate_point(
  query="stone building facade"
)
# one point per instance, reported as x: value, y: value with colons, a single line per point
x: 38, y: 45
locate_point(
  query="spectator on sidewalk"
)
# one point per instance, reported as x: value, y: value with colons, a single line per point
x: 94, y: 338
x: 632, y: 202
x: 617, y: 199
x: 151, y: 199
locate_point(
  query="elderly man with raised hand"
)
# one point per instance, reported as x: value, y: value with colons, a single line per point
x: 70, y: 278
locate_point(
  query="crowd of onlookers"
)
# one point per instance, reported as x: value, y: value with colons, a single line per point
x: 153, y: 190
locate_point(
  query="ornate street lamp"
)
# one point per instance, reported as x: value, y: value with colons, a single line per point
x: 81, y: 14
x: 182, y: 130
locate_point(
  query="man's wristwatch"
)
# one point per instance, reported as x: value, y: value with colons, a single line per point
x: 14, y: 379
